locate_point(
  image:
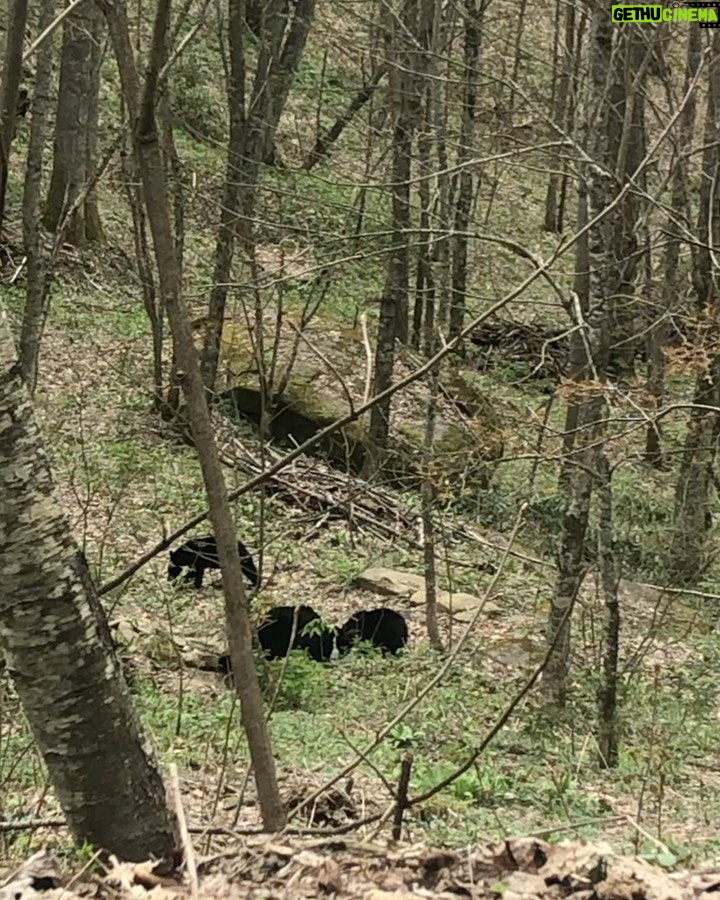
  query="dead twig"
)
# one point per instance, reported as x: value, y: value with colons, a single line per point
x: 188, y: 851
x: 402, y: 794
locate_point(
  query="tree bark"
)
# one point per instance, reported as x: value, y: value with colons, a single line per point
x: 688, y: 548
x: 424, y: 306
x: 283, y: 29
x: 600, y: 278
x: 12, y: 67
x: 628, y: 119
x: 237, y: 618
x: 74, y: 132
x: 658, y: 331
x: 393, y: 324
x: 553, y: 210
x: 466, y: 187
x: 94, y: 230
x: 428, y: 502
x: 232, y: 195
x: 608, y: 735
x: 57, y: 645
x: 39, y: 274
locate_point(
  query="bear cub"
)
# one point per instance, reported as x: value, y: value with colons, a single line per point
x: 382, y: 627
x: 199, y: 554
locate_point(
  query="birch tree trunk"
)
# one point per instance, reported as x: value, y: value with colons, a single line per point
x: 55, y: 639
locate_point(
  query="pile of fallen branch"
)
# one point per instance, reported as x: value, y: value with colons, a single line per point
x: 540, y: 349
x: 332, y: 495
x: 317, y: 488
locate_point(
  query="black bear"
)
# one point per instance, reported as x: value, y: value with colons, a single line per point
x: 382, y: 627
x: 22, y: 103
x: 199, y: 554
x: 275, y: 633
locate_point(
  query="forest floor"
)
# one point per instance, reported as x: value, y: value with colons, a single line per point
x: 293, y: 869
x: 127, y: 482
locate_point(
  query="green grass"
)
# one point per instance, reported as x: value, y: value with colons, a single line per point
x: 539, y: 773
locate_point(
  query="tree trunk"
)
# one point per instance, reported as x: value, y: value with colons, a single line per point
x: 284, y: 29
x: 237, y: 619
x: 465, y: 192
x: 146, y: 272
x: 599, y: 275
x: 440, y: 89
x: 424, y: 306
x: 688, y: 549
x: 428, y: 502
x: 423, y: 320
x: 12, y: 67
x: 578, y: 363
x: 578, y: 482
x: 74, y: 132
x: 393, y: 324
x: 39, y: 274
x: 608, y: 735
x: 658, y: 330
x: 633, y: 59
x: 517, y: 62
x: 570, y: 117
x: 553, y: 212
x: 94, y: 231
x: 56, y: 642
x: 655, y: 340
x: 230, y: 210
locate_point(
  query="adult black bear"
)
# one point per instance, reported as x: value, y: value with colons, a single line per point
x: 199, y: 554
x: 275, y: 633
x: 382, y: 627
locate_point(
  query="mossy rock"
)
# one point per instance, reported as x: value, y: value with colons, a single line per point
x: 322, y: 386
x: 294, y: 423
x: 463, y: 456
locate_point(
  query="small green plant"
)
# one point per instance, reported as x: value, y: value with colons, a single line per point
x: 297, y: 681
x: 659, y: 857
x: 316, y: 628
x: 403, y: 736
x: 513, y: 372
